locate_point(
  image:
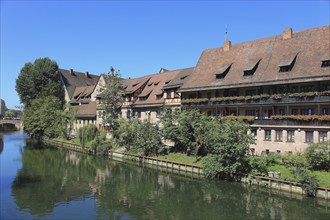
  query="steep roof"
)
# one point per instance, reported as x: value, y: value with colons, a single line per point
x: 77, y: 79
x: 131, y: 85
x: 154, y: 88
x: 305, y: 50
x: 82, y: 94
x: 180, y: 78
x: 87, y: 110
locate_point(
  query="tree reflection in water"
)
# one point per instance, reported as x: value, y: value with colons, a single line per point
x: 50, y: 177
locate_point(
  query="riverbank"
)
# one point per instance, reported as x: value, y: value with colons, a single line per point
x: 272, y: 183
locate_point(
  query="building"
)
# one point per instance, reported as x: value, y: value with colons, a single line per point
x: 280, y: 84
x: 79, y: 88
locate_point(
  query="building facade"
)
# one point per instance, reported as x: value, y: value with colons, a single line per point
x: 280, y: 85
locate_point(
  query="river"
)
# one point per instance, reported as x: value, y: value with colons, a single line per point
x: 49, y: 183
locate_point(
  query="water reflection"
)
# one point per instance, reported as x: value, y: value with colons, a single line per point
x: 51, y: 177
x: 1, y: 143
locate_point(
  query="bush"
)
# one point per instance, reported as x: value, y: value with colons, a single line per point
x: 258, y: 165
x: 309, y: 182
x: 103, y: 149
x: 318, y: 156
x: 87, y: 134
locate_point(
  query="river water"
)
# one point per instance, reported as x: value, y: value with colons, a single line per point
x: 50, y: 183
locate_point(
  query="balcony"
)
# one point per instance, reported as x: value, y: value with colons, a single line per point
x: 290, y: 122
x: 172, y: 101
x: 263, y: 99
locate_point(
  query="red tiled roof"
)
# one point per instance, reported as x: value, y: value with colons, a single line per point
x: 310, y: 46
x: 157, y: 82
x: 87, y: 110
x: 77, y: 79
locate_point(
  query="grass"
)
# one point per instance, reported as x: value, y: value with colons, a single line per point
x: 322, y: 176
x: 71, y: 141
x: 182, y: 158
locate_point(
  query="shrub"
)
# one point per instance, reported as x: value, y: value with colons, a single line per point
x: 318, y: 156
x: 309, y: 183
x: 103, y: 149
x: 87, y: 134
x: 258, y: 165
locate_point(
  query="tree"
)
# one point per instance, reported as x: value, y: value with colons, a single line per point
x: 111, y: 98
x: 230, y: 144
x: 187, y: 129
x: 39, y: 79
x: 43, y: 117
x: 138, y: 136
x: 318, y: 156
x: 10, y: 113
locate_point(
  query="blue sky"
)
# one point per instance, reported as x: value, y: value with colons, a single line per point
x: 136, y: 37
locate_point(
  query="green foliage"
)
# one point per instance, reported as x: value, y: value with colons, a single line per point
x: 43, y: 117
x: 111, y: 98
x: 226, y: 141
x: 10, y: 113
x: 309, y: 182
x: 295, y: 161
x: 138, y: 136
x: 189, y: 130
x: 258, y: 165
x: 37, y: 80
x: 229, y: 142
x: 318, y: 156
x: 87, y: 136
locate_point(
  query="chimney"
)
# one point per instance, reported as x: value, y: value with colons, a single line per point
x: 71, y: 72
x: 287, y: 33
x: 227, y: 45
x: 87, y: 74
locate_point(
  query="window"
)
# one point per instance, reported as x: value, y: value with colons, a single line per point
x: 251, y: 70
x: 307, y: 89
x: 325, y: 111
x: 128, y: 114
x: 290, y: 136
x: 157, y: 114
x: 217, y: 94
x: 209, y: 95
x: 223, y: 71
x: 278, y: 135
x: 323, y: 136
x: 159, y: 96
x: 294, y: 111
x: 294, y: 89
x: 267, y: 151
x: 325, y: 63
x: 281, y: 111
x: 307, y: 111
x: 309, y: 137
x: 254, y: 134
x: 253, y: 151
x: 233, y: 93
x: 268, y: 135
x: 287, y: 64
x: 250, y: 92
x: 192, y: 96
x: 278, y: 151
x: 254, y: 113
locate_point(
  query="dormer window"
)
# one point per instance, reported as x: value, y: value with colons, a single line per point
x: 223, y: 71
x: 167, y: 82
x: 135, y: 84
x: 286, y: 65
x: 183, y: 77
x: 252, y: 68
x: 325, y: 63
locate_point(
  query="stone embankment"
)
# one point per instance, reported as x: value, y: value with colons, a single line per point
x: 272, y: 183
